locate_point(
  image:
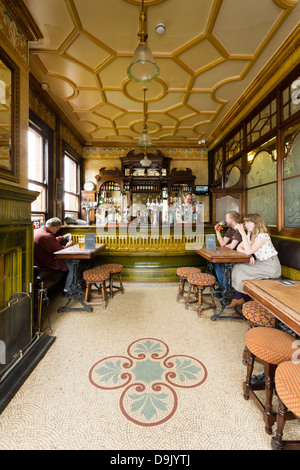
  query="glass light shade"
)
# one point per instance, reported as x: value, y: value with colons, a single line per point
x: 145, y: 162
x: 143, y: 69
x: 145, y: 140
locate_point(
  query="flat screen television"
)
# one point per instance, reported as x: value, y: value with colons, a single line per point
x: 201, y: 190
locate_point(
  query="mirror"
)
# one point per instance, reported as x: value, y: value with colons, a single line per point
x: 9, y: 118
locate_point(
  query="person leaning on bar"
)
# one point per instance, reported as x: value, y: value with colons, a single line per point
x: 45, y: 244
x: 264, y: 262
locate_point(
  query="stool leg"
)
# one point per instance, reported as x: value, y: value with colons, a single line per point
x: 87, y: 291
x: 180, y: 289
x: 269, y: 416
x: 246, y: 384
x: 187, y: 300
x: 199, y: 306
x: 111, y: 285
x: 277, y: 443
x: 103, y: 289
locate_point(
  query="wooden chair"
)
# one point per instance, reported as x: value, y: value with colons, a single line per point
x: 287, y: 383
x: 271, y: 347
x: 199, y: 282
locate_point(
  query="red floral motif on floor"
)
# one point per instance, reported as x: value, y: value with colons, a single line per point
x: 148, y: 376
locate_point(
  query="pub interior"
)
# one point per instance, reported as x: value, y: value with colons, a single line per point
x: 144, y: 350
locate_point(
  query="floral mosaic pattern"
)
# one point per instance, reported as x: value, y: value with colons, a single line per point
x: 148, y: 376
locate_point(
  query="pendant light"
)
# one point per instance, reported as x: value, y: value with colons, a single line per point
x: 143, y: 69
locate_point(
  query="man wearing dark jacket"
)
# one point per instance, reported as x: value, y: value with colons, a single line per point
x: 45, y: 244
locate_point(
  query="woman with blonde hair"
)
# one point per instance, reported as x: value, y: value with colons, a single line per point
x: 263, y: 263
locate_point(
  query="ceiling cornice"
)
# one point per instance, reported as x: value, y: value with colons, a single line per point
x: 24, y: 19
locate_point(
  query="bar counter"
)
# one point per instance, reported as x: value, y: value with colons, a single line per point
x: 148, y: 253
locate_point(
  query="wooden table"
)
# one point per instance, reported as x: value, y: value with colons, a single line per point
x: 228, y: 258
x: 77, y: 254
x: 281, y: 300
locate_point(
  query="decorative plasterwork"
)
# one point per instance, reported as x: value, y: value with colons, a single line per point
x: 210, y: 53
x: 117, y: 153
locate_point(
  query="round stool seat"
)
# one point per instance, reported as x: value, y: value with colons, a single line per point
x: 113, y: 268
x: 201, y: 279
x: 95, y: 275
x: 287, y: 380
x: 255, y: 313
x: 185, y: 271
x: 270, y: 345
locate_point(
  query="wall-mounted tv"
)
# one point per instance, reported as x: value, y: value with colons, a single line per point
x: 201, y: 190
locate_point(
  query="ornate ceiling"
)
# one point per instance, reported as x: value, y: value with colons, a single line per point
x: 209, y: 54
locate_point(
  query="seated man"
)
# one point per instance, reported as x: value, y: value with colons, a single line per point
x: 231, y: 240
x: 45, y: 244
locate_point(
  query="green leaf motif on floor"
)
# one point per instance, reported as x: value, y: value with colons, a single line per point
x: 148, y: 347
x: 186, y: 371
x: 111, y: 371
x: 149, y: 377
x: 148, y: 403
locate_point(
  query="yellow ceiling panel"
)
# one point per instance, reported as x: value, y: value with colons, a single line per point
x: 86, y: 100
x: 110, y: 21
x: 242, y: 26
x: 60, y: 66
x: 202, y: 55
x: 210, y: 53
x: 54, y: 21
x: 87, y: 52
x: 184, y: 21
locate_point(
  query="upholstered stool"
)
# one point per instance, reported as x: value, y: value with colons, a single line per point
x: 271, y: 347
x: 183, y: 273
x: 257, y: 315
x: 287, y: 383
x: 96, y: 277
x: 199, y: 281
x: 113, y: 269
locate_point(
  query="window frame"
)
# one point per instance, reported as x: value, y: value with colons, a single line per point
x: 33, y: 126
x: 72, y: 155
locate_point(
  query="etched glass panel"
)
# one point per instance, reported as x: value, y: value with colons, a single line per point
x: 262, y: 123
x: 291, y: 99
x: 263, y: 170
x: 291, y: 189
x: 291, y: 163
x: 262, y: 200
x: 232, y: 176
x: 225, y: 204
x: 218, y: 160
x: 235, y: 145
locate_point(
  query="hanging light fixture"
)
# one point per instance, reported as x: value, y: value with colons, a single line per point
x: 145, y: 139
x: 145, y: 162
x: 143, y: 69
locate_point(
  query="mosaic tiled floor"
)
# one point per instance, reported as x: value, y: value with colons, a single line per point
x: 142, y: 374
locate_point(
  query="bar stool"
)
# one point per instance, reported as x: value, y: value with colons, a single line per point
x: 287, y: 383
x: 96, y: 277
x: 256, y: 316
x: 183, y: 272
x: 271, y: 347
x: 113, y: 269
x: 199, y: 281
